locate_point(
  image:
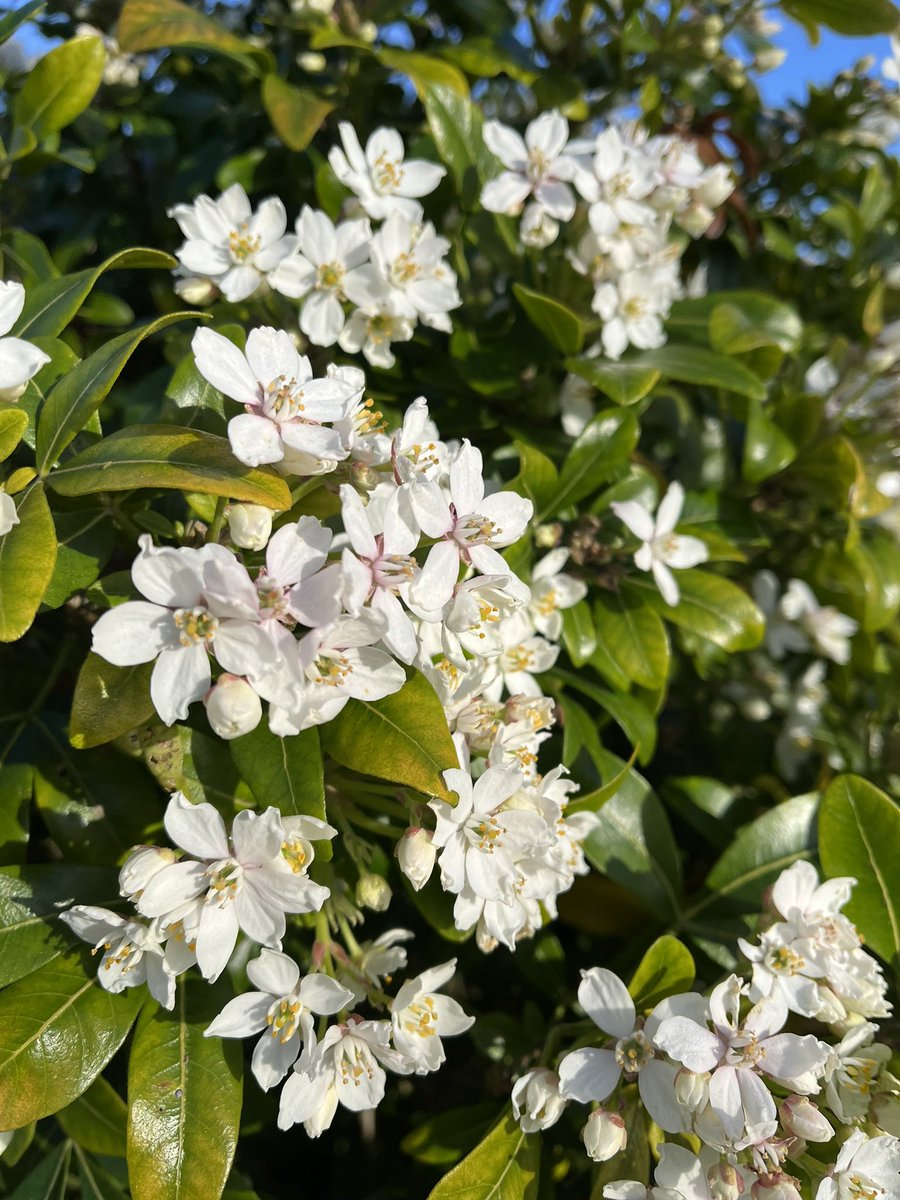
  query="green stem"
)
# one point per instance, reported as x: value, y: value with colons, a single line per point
x: 215, y: 530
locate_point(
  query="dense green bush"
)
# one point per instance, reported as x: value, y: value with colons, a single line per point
x: 662, y: 334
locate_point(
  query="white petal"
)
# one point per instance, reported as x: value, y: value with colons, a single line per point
x: 196, y: 828
x: 134, y: 632
x: 172, y: 887
x: 635, y: 517
x: 505, y: 194
x: 588, y: 1074
x: 605, y: 999
x: 506, y: 144
x: 19, y: 360
x: 241, y: 1017
x: 323, y: 995
x: 12, y: 301
x: 224, y: 366
x: 669, y: 511
x: 273, y: 972
x: 255, y: 440
x: 273, y: 1058
x: 216, y: 936
x: 179, y: 678
x: 322, y: 318
x: 666, y: 583
x: 656, y: 1084
x: 688, y: 1043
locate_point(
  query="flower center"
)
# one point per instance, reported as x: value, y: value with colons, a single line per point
x: 355, y: 1065
x: 391, y: 571
x: 330, y: 670
x: 380, y: 328
x: 387, y: 174
x: 475, y: 530
x: 295, y: 853
x: 225, y: 878
x: 861, y: 1188
x: 634, y: 1051
x: 272, y: 599
x: 404, y: 268
x: 282, y: 1018
x: 330, y: 277
x: 785, y: 961
x: 547, y: 603
x: 284, y: 398
x: 420, y: 1018
x: 485, y: 833
x: 537, y: 166
x: 195, y: 626
x: 241, y: 244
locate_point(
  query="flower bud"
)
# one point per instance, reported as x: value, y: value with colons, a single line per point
x: 8, y: 514
x: 691, y: 1089
x: 801, y: 1118
x: 312, y: 62
x: 604, y: 1135
x: 416, y: 855
x: 373, y: 891
x: 770, y: 59
x: 11, y: 394
x: 536, y: 1101
x: 194, y: 289
x: 725, y: 1181
x: 537, y: 227
x: 775, y: 1187
x: 250, y: 525
x: 141, y: 865
x: 232, y: 707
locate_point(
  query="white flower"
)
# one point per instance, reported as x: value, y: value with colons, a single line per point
x: 620, y: 178
x: 19, y: 360
x: 866, y: 1169
x: 420, y: 1018
x: 9, y: 515
x: 829, y: 630
x: 229, y: 243
x: 376, y: 960
x: 346, y: 1069
x: 524, y: 655
x: 380, y: 177
x: 604, y: 1136
x: 632, y: 308
x: 890, y: 67
x: 852, y: 1072
x: 317, y: 270
x: 379, y: 322
x: 552, y: 591
x: 232, y: 707
x: 132, y: 951
x: 662, y: 547
x: 408, y: 266
x: 198, y: 602
x: 801, y: 1118
x: 283, y: 1005
x: 592, y: 1074
x: 536, y: 165
x: 246, y: 883
x: 416, y: 855
x: 536, y: 1102
x: 250, y: 525
x: 287, y: 409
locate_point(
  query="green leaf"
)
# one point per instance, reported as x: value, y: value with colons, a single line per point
x: 11, y: 22
x: 602, y: 448
x: 503, y: 1166
x: 96, y: 1182
x: 16, y: 786
x: 426, y: 72
x: 859, y: 19
x: 96, y: 1120
x: 593, y: 801
x: 31, y: 899
x: 108, y: 701
x: 87, y: 539
x: 694, y: 364
x: 48, y: 1180
x: 13, y: 423
x: 634, y: 718
x: 58, y: 1030
x: 51, y: 305
x: 715, y: 609
x: 161, y: 24
x: 560, y: 325
x: 666, y: 968
x: 284, y: 772
x: 579, y: 633
x: 634, y: 845
x: 634, y: 635
x: 537, y: 479
x: 60, y: 86
x: 624, y: 382
x: 456, y: 126
x: 859, y: 835
x: 296, y: 113
x: 77, y: 396
x: 444, y: 1139
x: 27, y: 559
x: 403, y: 738
x: 184, y: 1098
x: 767, y: 449
x: 168, y: 456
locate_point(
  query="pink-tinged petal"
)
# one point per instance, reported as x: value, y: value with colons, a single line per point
x: 273, y: 972
x: 656, y: 1084
x: 605, y: 999
x: 273, y: 1058
x: 666, y: 583
x: 179, y: 678
x: 669, y: 511
x: 323, y: 995
x: 588, y: 1074
x: 196, y: 828
x: 216, y: 937
x: 466, y: 482
x: 241, y: 1017
x: 694, y: 1047
x: 255, y: 440
x: 437, y: 579
x: 12, y: 301
x: 505, y: 194
x: 636, y: 518
x: 420, y: 178
x: 172, y: 887
x: 257, y: 837
x: 506, y: 144
x: 322, y: 318
x: 134, y: 632
x: 223, y: 365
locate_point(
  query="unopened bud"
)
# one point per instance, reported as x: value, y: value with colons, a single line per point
x: 537, y: 228
x: 710, y: 46
x: 141, y: 865
x: 250, y: 525
x: 725, y: 1181
x: 692, y: 1089
x: 11, y: 394
x: 373, y: 891
x: 801, y: 1118
x: 770, y: 59
x: 193, y: 289
x: 232, y: 707
x: 536, y: 1101
x: 547, y: 536
x: 9, y: 514
x: 416, y: 855
x: 312, y: 62
x: 775, y: 1187
x: 604, y: 1135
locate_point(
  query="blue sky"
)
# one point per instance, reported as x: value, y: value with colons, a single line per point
x: 816, y: 64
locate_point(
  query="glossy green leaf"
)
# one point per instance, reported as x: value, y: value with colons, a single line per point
x: 168, y: 456
x: 13, y: 423
x: 716, y: 609
x: 108, y: 701
x: 629, y: 713
x: 160, y: 24
x: 600, y: 450
x: 560, y: 325
x: 456, y: 126
x: 31, y: 899
x: 58, y: 1030
x: 51, y: 305
x: 27, y: 559
x: 87, y: 539
x: 49, y: 1178
x: 634, y: 635
x: 296, y: 113
x: 60, y: 86
x: 538, y: 477
x: 859, y: 19
x: 593, y: 801
x: 694, y: 364
x: 97, y: 1119
x: 444, y: 1139
x: 859, y: 835
x: 403, y: 738
x: 624, y: 382
x: 284, y: 772
x: 16, y: 786
x: 425, y: 71
x: 767, y: 448
x: 11, y: 22
x: 666, y: 969
x: 579, y: 633
x: 77, y: 396
x: 503, y: 1166
x: 184, y: 1098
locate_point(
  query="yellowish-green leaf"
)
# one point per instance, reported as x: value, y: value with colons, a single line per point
x: 560, y: 325
x: 161, y: 24
x: 60, y: 86
x: 666, y: 968
x: 96, y: 1120
x: 13, y: 423
x: 296, y: 113
x: 425, y: 71
x: 27, y: 558
x: 504, y: 1166
x: 108, y: 701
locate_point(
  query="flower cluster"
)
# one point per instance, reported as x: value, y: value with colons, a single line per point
x: 19, y: 362
x: 635, y: 187
x: 726, y: 1070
